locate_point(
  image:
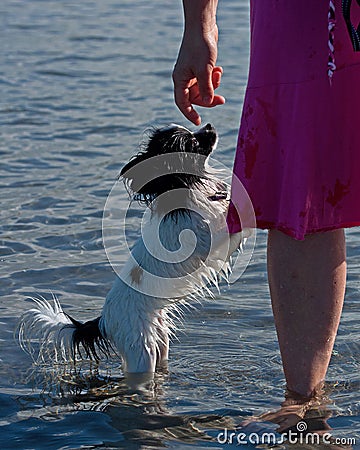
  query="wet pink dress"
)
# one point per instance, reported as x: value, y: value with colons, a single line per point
x: 298, y: 152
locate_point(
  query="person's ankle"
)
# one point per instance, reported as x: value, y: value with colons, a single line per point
x: 302, y: 396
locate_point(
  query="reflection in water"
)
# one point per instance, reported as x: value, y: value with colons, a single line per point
x: 135, y: 406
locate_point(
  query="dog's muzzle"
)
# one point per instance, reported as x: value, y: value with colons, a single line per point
x: 207, y: 138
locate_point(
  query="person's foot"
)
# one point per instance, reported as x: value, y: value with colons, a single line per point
x: 298, y: 414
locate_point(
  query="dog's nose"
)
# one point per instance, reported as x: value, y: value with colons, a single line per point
x: 206, y: 130
x: 208, y: 127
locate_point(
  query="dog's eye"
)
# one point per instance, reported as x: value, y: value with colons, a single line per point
x: 194, y: 141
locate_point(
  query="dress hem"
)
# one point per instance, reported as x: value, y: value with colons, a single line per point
x: 263, y: 225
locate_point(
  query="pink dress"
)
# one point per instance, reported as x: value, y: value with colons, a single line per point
x: 298, y: 153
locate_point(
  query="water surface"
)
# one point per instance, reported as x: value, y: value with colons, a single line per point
x: 80, y: 82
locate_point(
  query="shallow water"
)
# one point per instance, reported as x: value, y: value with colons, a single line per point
x: 80, y: 82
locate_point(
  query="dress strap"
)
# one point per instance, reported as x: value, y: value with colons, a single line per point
x: 353, y: 32
x: 331, y: 27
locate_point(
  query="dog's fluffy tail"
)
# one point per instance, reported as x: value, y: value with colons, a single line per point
x: 59, y: 337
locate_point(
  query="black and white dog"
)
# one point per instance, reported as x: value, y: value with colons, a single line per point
x: 187, y: 248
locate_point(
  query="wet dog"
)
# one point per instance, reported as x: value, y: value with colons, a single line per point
x: 185, y: 248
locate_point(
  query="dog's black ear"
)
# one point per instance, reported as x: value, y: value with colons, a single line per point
x: 126, y: 171
x: 134, y: 174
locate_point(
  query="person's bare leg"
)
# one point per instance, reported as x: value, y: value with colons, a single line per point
x: 307, y: 286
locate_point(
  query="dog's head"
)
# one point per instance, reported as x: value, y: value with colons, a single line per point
x: 173, y: 158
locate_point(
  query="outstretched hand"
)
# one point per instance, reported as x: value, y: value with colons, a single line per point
x: 196, y: 76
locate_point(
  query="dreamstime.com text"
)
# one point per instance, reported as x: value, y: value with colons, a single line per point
x: 291, y: 437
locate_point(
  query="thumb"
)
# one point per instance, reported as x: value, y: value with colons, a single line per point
x: 216, y: 76
x: 206, y: 89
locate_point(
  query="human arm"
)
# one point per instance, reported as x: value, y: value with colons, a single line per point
x: 196, y: 75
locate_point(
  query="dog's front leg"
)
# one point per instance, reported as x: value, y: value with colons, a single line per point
x: 235, y: 242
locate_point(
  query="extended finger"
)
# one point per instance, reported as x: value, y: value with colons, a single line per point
x: 182, y: 101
